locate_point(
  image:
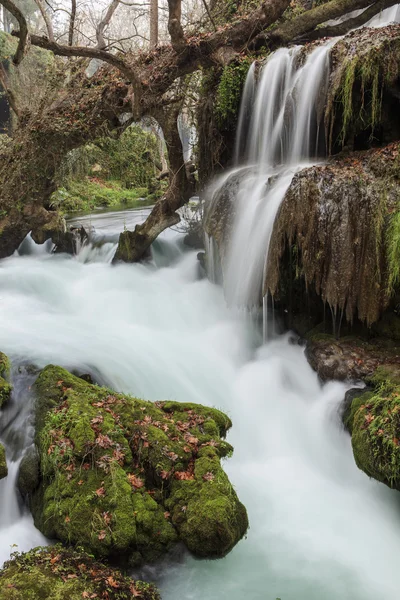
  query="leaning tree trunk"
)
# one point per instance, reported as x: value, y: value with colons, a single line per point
x: 134, y: 245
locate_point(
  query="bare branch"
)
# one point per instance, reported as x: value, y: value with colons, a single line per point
x: 46, y: 18
x: 24, y: 40
x: 72, y: 23
x: 209, y: 14
x: 346, y: 26
x: 306, y: 22
x: 101, y: 43
x: 83, y: 51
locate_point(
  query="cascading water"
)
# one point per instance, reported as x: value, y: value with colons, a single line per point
x: 284, y: 133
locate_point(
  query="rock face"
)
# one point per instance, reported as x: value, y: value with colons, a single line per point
x: 350, y: 358
x: 5, y: 386
x: 125, y: 478
x: 373, y: 419
x: 335, y: 220
x: 56, y: 572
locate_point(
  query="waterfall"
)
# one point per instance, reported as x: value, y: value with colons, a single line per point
x: 280, y: 130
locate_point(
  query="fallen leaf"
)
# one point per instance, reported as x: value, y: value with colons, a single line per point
x: 135, y: 482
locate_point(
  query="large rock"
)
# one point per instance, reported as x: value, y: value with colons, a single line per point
x: 123, y: 477
x: 29, y: 473
x: 349, y: 358
x: 5, y: 386
x: 373, y: 418
x: 59, y: 573
x: 3, y: 462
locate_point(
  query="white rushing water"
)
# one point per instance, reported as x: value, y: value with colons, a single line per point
x: 319, y: 528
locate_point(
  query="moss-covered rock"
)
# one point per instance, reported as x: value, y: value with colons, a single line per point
x: 5, y: 386
x: 29, y: 474
x: 3, y: 462
x: 123, y: 477
x: 373, y: 418
x: 62, y: 574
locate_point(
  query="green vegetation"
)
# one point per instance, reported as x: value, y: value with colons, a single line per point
x: 374, y: 421
x: 125, y: 477
x: 91, y: 193
x: 110, y: 172
x: 5, y: 386
x: 3, y: 462
x: 229, y: 92
x: 359, y: 82
x: 393, y: 251
x: 58, y: 573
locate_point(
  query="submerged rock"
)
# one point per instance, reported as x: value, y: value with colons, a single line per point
x: 126, y: 478
x: 56, y: 572
x: 3, y: 462
x: 373, y: 418
x: 5, y: 386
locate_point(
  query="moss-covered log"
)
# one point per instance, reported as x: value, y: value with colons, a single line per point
x: 126, y: 478
x: 64, y: 574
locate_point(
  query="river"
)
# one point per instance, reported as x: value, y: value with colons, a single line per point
x: 318, y: 526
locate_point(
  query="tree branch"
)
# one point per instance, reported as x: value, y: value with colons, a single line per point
x: 46, y: 18
x: 209, y: 14
x: 24, y: 39
x: 82, y: 51
x: 101, y: 44
x: 72, y: 23
x: 307, y: 21
x: 346, y: 26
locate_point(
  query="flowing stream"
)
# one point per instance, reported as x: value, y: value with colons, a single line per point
x: 319, y: 528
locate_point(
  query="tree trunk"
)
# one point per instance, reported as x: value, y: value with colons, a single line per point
x: 134, y: 245
x: 153, y: 23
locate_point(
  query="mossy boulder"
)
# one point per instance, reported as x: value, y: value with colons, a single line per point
x: 29, y: 473
x: 63, y: 574
x: 3, y: 462
x: 373, y: 418
x: 123, y: 477
x: 5, y: 386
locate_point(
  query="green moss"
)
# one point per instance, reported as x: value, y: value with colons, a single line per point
x: 3, y: 462
x: 111, y: 465
x: 57, y: 573
x: 206, y: 510
x: 393, y: 251
x: 5, y: 391
x: 5, y: 366
x: 360, y: 81
x: 229, y: 92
